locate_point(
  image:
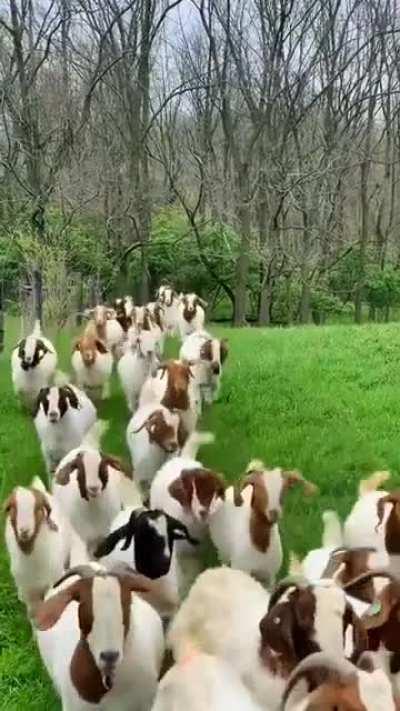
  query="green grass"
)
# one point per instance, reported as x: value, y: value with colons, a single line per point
x: 324, y: 400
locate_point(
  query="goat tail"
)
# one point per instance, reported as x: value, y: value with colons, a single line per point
x: 295, y: 566
x: 61, y: 379
x: 194, y: 442
x: 255, y: 465
x: 38, y: 484
x: 332, y: 535
x: 95, y: 434
x: 37, y: 329
x: 373, y: 482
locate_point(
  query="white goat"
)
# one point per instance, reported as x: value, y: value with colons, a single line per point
x: 208, y: 355
x: 203, y: 683
x: 168, y: 299
x: 187, y: 491
x: 63, y: 416
x: 101, y: 643
x: 40, y: 541
x: 229, y: 615
x: 191, y: 314
x: 245, y: 529
x: 92, y: 363
x: 139, y: 361
x: 172, y: 386
x: 33, y: 364
x: 323, y: 681
x: 153, y: 434
x: 109, y: 330
x: 91, y: 488
x: 374, y: 521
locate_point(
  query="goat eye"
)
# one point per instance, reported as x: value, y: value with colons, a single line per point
x: 276, y: 620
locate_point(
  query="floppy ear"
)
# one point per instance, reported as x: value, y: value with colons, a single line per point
x: 139, y: 583
x: 360, y: 636
x: 163, y: 367
x: 63, y: 475
x: 181, y: 491
x: 276, y: 629
x: 393, y: 498
x: 202, y: 303
x: 76, y: 346
x: 108, y: 544
x: 53, y: 526
x: 8, y: 504
x: 294, y: 477
x: 115, y: 463
x: 71, y: 397
x: 50, y: 611
x: 101, y: 347
x: 224, y: 348
x: 41, y: 399
x: 179, y: 532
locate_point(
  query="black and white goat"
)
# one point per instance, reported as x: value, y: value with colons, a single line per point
x: 145, y: 540
x: 33, y: 365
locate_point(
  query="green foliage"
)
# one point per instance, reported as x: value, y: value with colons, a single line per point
x: 382, y: 288
x: 174, y: 254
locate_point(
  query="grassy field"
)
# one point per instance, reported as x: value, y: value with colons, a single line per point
x: 324, y: 400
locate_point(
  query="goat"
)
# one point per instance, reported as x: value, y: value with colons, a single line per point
x: 342, y: 564
x: 62, y: 417
x: 101, y: 643
x: 202, y: 682
x: 139, y: 361
x: 229, y: 615
x: 172, y: 386
x: 146, y: 540
x: 187, y: 491
x: 109, y: 330
x: 375, y: 521
x: 91, y: 488
x: 191, y: 314
x: 323, y: 681
x: 157, y: 316
x: 33, y: 365
x: 40, y: 541
x: 124, y: 308
x: 153, y: 435
x: 208, y: 354
x: 92, y: 362
x: 245, y: 528
x: 168, y: 299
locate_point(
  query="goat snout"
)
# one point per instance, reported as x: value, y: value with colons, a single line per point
x: 93, y: 491
x: 54, y: 416
x: 215, y: 368
x: 203, y: 513
x: 109, y: 658
x: 171, y: 447
x: 273, y: 515
x: 24, y: 534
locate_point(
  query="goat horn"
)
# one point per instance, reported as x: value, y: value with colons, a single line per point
x: 317, y: 660
x: 84, y: 571
x: 378, y: 573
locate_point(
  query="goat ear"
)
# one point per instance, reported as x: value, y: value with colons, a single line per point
x: 50, y: 611
x: 179, y: 531
x: 76, y: 346
x: 360, y: 636
x: 71, y: 397
x: 63, y: 475
x: 392, y: 498
x: 180, y: 490
x: 108, y: 544
x: 224, y: 348
x: 101, y: 347
x: 294, y: 477
x: 40, y: 400
x: 202, y: 303
x: 52, y: 526
x: 8, y: 504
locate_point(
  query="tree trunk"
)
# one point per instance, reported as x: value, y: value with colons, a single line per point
x: 243, y: 261
x: 2, y: 331
x: 37, y: 293
x: 264, y: 313
x: 304, y: 310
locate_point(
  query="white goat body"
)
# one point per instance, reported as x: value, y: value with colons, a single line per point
x: 33, y: 365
